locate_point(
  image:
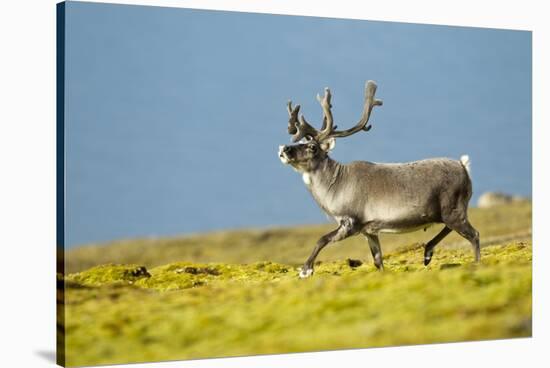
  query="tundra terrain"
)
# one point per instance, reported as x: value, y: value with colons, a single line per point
x: 233, y: 293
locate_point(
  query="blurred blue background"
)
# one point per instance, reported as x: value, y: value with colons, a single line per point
x: 174, y: 116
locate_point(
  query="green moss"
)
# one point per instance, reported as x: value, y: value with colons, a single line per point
x: 184, y: 275
x: 288, y: 245
x: 193, y: 310
x: 217, y: 295
x: 109, y: 274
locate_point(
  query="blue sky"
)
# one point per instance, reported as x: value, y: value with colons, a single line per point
x: 174, y: 116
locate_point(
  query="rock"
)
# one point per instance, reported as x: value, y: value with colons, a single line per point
x: 354, y: 263
x: 198, y: 270
x: 140, y: 271
x: 491, y: 199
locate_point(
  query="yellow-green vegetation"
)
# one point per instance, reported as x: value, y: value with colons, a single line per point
x: 186, y: 307
x: 285, y: 245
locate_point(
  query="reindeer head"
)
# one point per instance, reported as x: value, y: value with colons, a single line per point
x: 313, y: 145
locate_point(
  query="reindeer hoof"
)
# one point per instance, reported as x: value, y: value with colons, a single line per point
x: 305, y: 273
x: 427, y: 260
x: 428, y: 257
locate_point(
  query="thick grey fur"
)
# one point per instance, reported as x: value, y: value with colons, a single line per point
x: 371, y: 198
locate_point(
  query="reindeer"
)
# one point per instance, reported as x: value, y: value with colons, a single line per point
x: 371, y: 198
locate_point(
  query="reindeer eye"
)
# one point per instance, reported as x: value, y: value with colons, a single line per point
x: 312, y: 147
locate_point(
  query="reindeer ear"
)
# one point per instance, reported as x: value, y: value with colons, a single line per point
x: 328, y: 145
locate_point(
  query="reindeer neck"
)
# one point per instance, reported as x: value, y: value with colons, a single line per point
x: 323, y: 178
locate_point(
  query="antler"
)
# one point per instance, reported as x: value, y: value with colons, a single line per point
x: 300, y: 128
x: 328, y: 121
x: 370, y: 102
x: 293, y: 117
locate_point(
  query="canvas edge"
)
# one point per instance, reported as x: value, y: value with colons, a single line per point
x: 60, y: 183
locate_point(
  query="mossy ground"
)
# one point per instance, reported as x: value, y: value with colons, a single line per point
x: 196, y: 309
x: 290, y: 245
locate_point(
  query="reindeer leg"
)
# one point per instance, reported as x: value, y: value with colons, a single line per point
x: 468, y: 232
x: 346, y: 229
x: 374, y: 244
x: 429, y: 248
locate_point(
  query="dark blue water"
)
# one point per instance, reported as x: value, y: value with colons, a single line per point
x: 174, y: 116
